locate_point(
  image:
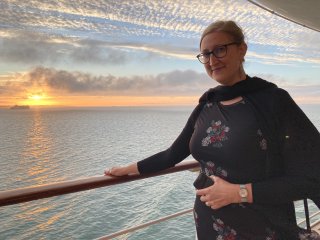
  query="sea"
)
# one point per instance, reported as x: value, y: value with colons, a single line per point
x: 47, y: 145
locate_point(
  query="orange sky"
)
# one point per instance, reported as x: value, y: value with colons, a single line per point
x: 87, y: 101
x: 127, y: 100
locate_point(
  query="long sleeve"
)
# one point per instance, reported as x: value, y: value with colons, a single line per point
x: 178, y: 151
x: 299, y: 156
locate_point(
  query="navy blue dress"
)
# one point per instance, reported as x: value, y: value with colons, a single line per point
x: 228, y: 143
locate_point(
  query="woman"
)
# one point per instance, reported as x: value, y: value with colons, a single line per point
x: 257, y: 146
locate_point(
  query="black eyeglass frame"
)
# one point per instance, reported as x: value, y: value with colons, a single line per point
x: 213, y: 52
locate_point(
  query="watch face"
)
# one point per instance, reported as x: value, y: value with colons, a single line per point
x: 243, y: 192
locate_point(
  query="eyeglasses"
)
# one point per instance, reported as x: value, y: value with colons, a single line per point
x: 219, y: 51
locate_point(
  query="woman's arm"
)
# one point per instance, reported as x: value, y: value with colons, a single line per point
x: 178, y: 151
x: 299, y: 155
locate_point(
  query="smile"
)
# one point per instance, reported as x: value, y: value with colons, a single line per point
x: 217, y: 69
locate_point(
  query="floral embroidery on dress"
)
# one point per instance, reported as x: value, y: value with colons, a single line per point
x: 211, y: 169
x: 224, y: 232
x: 262, y: 140
x: 216, y: 134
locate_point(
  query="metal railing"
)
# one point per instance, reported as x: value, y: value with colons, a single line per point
x: 311, y: 216
x: 16, y: 196
x: 144, y: 225
x: 314, y: 225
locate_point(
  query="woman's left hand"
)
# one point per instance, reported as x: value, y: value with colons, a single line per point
x: 220, y: 194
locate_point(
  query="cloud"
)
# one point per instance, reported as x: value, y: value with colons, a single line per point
x: 275, y: 58
x: 78, y: 83
x: 93, y: 53
x: 34, y: 49
x: 171, y: 28
x: 29, y: 48
x: 52, y: 82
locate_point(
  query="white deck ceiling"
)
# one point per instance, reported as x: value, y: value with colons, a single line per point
x: 303, y: 12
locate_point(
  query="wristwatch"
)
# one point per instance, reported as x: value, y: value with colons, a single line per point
x: 243, y: 192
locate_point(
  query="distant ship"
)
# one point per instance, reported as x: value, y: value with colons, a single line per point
x: 20, y: 107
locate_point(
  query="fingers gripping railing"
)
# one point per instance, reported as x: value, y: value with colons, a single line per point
x: 55, y: 189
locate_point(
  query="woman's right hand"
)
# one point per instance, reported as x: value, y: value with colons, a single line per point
x: 122, y: 170
x: 116, y: 171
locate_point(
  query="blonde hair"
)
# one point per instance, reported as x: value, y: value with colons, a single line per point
x: 229, y: 27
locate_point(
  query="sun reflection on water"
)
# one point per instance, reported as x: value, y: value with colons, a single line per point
x: 37, y: 151
x: 41, y: 167
x: 36, y: 158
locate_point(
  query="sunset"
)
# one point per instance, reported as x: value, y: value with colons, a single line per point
x: 58, y: 55
x: 159, y: 119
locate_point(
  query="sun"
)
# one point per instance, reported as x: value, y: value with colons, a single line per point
x: 38, y: 99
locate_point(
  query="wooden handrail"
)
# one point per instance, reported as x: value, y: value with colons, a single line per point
x: 55, y: 189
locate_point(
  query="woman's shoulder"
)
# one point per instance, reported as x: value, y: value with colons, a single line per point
x: 273, y: 91
x: 280, y: 96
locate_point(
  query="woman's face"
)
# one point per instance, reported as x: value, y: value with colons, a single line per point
x: 225, y: 70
